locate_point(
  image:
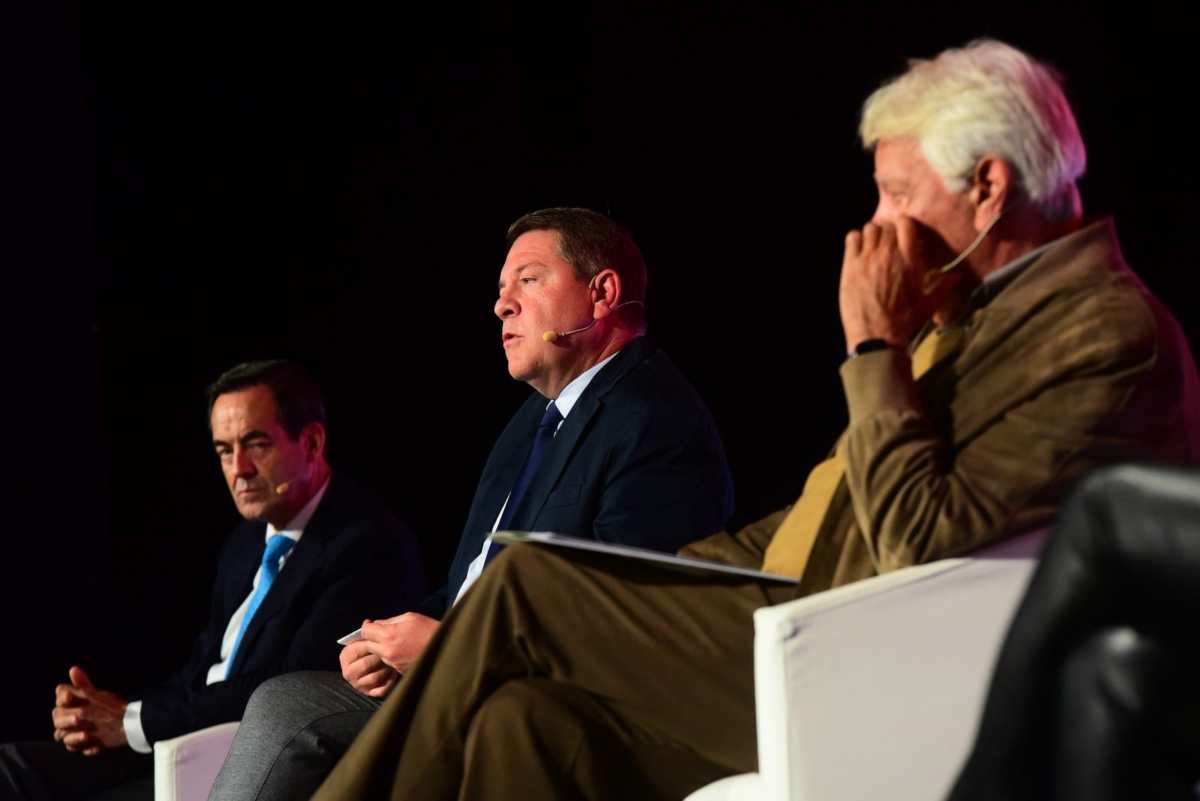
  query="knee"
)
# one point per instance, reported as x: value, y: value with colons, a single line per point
x: 280, y: 691
x: 523, y: 705
x: 518, y: 565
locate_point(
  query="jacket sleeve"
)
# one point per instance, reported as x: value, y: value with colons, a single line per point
x: 916, y: 497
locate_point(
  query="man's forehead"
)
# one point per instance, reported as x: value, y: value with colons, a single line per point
x: 252, y: 407
x: 900, y: 160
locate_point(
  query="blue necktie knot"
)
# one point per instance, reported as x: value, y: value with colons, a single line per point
x: 278, y: 546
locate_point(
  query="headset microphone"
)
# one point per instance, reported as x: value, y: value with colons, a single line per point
x: 552, y: 336
x: 932, y: 278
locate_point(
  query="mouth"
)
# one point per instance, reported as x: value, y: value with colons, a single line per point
x: 508, y: 339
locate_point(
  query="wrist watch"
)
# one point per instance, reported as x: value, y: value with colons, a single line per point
x: 867, y: 346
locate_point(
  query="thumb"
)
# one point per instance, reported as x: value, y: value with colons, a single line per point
x: 80, y: 679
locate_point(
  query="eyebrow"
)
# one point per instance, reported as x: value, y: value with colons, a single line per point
x: 519, y: 270
x: 245, y: 439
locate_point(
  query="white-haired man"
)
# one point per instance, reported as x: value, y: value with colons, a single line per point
x: 998, y: 349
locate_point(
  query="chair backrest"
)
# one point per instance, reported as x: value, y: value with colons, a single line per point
x: 874, y: 690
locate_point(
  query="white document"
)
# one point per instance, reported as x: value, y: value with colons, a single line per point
x: 687, y: 564
x: 351, y: 637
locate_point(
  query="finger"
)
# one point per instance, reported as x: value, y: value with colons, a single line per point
x: 374, y: 632
x: 853, y: 243
x: 906, y: 238
x: 381, y: 690
x: 80, y: 679
x: 68, y: 695
x: 870, y: 236
x: 76, y: 740
x: 92, y: 751
x: 354, y: 672
x: 67, y: 718
x: 887, y: 234
x: 373, y: 679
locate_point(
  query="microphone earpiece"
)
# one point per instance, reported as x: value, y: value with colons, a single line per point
x: 552, y: 336
x: 280, y: 489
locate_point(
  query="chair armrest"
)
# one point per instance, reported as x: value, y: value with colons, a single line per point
x: 186, y: 766
x: 874, y: 690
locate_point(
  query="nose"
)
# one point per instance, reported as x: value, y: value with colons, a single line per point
x: 884, y: 211
x: 243, y: 465
x: 506, y: 305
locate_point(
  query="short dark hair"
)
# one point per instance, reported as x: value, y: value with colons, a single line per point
x: 590, y: 242
x: 297, y: 395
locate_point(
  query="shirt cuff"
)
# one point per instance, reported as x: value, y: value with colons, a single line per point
x: 132, y: 723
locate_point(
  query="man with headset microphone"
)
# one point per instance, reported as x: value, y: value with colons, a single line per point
x: 314, y: 549
x: 614, y: 444
x: 976, y: 397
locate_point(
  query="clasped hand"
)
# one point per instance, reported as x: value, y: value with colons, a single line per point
x: 87, y: 719
x: 388, y: 649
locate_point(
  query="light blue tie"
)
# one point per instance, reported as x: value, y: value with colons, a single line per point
x: 278, y: 547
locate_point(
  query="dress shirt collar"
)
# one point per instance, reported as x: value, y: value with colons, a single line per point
x: 571, y: 392
x: 295, y: 528
x: 997, y: 280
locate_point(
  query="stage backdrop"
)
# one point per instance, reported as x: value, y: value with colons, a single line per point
x: 199, y: 186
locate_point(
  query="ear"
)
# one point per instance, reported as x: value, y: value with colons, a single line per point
x: 312, y: 440
x: 606, y: 292
x: 992, y: 185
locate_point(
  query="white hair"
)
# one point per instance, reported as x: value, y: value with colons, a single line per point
x: 987, y: 97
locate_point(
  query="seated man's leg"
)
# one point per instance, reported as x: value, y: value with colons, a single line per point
x: 46, y: 771
x: 665, y: 652
x: 293, y: 732
x: 558, y: 741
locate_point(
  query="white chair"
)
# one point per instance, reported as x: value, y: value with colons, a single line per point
x: 186, y: 766
x: 874, y: 690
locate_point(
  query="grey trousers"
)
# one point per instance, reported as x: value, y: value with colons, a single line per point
x: 293, y: 732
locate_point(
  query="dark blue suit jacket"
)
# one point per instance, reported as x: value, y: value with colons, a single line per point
x: 638, y: 461
x: 355, y: 560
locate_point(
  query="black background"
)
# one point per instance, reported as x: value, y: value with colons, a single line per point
x: 193, y: 186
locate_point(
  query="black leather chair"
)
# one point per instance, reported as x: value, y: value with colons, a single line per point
x: 1096, y: 694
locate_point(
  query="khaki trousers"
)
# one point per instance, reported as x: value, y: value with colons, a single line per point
x: 567, y: 675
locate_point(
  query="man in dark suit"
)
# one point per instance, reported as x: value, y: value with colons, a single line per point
x: 615, y: 445
x: 331, y: 550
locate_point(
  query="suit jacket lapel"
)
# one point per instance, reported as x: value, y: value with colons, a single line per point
x: 572, y: 430
x: 303, y: 561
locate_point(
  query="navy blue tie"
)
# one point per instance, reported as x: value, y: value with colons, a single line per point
x: 541, y: 441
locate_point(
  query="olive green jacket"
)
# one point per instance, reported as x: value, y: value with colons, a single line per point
x: 1070, y: 364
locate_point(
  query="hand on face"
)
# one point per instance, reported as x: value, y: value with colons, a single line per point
x: 881, y: 292
x: 87, y: 719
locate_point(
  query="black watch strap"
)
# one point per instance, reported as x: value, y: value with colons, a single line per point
x: 868, y: 346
